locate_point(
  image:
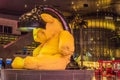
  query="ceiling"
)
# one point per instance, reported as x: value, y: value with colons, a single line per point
x: 68, y: 7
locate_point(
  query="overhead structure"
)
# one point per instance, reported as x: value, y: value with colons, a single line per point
x: 32, y: 19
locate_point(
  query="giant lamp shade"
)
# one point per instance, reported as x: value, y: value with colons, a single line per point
x: 28, y: 21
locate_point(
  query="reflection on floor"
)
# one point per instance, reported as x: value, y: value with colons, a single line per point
x: 105, y: 78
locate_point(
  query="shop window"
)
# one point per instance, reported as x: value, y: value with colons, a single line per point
x: 7, y: 29
x: 1, y: 28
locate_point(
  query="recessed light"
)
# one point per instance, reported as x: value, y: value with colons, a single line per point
x: 98, y: 4
x: 25, y: 6
x: 72, y: 2
x: 44, y: 0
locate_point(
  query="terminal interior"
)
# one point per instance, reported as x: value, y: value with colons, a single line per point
x: 95, y: 25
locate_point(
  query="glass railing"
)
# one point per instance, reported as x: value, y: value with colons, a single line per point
x: 7, y: 38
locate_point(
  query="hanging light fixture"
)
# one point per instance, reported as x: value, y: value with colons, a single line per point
x: 28, y: 21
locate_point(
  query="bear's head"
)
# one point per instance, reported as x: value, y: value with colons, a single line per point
x: 53, y: 26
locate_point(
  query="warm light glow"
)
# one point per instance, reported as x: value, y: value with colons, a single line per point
x: 97, y: 23
x: 104, y: 2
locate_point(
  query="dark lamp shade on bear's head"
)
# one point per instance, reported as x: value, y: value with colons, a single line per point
x: 28, y: 21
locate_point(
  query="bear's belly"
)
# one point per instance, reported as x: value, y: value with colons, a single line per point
x: 46, y: 62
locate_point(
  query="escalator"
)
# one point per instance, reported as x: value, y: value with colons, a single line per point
x: 9, y: 49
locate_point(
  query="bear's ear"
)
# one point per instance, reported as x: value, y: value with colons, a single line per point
x: 47, y: 18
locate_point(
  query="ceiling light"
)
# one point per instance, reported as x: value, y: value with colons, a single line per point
x: 28, y: 21
x: 44, y: 0
x: 72, y: 2
x: 25, y: 5
x: 98, y: 4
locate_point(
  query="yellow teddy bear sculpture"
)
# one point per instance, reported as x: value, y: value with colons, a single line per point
x: 55, y: 50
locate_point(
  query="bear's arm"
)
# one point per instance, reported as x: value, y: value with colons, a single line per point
x: 66, y: 43
x: 36, y: 51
